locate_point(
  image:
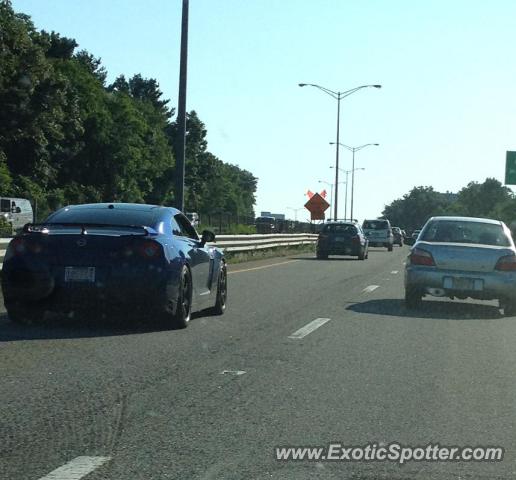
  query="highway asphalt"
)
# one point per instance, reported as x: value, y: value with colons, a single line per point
x: 212, y: 401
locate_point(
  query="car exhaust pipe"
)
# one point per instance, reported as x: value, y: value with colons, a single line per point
x: 436, y: 292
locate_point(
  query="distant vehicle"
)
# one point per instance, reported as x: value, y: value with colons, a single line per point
x: 379, y: 233
x: 265, y: 224
x: 463, y: 257
x: 113, y: 258
x: 342, y: 238
x: 398, y: 236
x: 410, y: 240
x: 194, y: 218
x: 17, y: 212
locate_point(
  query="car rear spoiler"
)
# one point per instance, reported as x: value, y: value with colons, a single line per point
x: 44, y: 227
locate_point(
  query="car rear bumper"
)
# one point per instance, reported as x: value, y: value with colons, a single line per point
x: 124, y: 288
x: 340, y: 249
x: 485, y: 285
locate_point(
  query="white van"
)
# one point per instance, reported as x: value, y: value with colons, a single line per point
x: 17, y: 211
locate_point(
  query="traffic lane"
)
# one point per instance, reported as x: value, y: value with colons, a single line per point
x: 76, y: 383
x: 414, y: 379
x: 227, y: 426
x: 362, y: 377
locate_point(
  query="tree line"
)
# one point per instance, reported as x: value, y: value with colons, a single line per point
x: 489, y: 199
x: 67, y: 136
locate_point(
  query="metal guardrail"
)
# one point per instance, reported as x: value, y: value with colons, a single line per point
x: 234, y: 243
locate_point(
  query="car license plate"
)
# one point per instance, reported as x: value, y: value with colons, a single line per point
x: 80, y: 274
x: 339, y: 239
x: 463, y: 284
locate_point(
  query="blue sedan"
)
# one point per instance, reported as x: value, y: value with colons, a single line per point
x: 113, y: 257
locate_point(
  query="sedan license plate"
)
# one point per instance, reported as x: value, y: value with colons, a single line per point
x: 80, y: 274
x: 463, y: 284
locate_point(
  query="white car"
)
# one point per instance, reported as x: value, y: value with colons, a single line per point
x: 379, y: 233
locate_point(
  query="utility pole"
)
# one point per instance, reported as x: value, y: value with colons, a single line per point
x: 181, y: 114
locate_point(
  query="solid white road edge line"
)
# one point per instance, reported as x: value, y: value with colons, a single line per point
x: 309, y: 328
x: 261, y: 267
x: 370, y: 288
x: 76, y: 469
x: 394, y: 272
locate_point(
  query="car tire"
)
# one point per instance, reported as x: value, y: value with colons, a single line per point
x: 389, y: 248
x: 362, y: 255
x: 23, y: 313
x: 222, y: 292
x: 509, y: 308
x: 183, y: 307
x: 413, y: 298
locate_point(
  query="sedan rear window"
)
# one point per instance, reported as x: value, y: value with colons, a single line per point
x: 451, y: 231
x: 376, y: 225
x: 107, y: 216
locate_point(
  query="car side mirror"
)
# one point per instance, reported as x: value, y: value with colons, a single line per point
x: 207, y: 237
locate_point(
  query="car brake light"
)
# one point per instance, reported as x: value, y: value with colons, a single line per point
x: 419, y: 256
x: 355, y: 239
x: 150, y: 249
x: 506, y: 264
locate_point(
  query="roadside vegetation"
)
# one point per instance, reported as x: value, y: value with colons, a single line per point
x: 69, y: 136
x: 489, y: 199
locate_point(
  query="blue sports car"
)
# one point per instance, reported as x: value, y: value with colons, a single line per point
x: 113, y: 257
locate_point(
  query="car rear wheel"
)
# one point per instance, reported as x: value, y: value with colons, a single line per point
x: 23, y: 313
x: 362, y: 255
x: 509, y: 308
x: 389, y: 248
x: 413, y: 297
x: 183, y: 310
x: 222, y: 292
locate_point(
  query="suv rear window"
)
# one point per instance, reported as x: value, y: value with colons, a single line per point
x: 376, y: 224
x: 340, y: 229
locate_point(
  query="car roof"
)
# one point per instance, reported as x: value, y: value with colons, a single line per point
x: 465, y: 219
x: 122, y: 206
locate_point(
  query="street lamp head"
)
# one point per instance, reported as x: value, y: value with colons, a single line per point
x: 302, y: 84
x: 377, y: 86
x: 376, y: 144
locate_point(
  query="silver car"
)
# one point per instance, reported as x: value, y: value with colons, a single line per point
x: 462, y: 257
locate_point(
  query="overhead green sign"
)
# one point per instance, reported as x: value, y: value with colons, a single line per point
x: 510, y: 168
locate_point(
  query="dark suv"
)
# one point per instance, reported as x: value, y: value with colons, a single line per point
x: 342, y: 238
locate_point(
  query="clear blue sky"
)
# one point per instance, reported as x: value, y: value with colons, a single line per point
x: 444, y: 117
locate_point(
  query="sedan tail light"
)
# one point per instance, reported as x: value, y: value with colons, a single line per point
x: 506, y: 263
x: 355, y: 239
x: 419, y: 256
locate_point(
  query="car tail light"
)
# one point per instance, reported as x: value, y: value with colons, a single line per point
x: 18, y: 246
x: 419, y: 256
x: 355, y: 239
x: 150, y: 249
x: 506, y: 264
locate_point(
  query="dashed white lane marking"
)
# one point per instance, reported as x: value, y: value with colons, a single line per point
x: 394, y: 272
x: 309, y: 328
x: 263, y: 266
x: 76, y: 469
x: 370, y: 288
x: 232, y: 372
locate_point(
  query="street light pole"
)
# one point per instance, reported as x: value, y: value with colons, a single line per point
x: 337, y: 96
x: 331, y: 192
x: 347, y: 172
x: 354, y: 149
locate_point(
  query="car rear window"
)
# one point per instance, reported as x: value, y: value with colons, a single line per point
x: 340, y: 229
x: 452, y: 231
x: 107, y: 216
x: 376, y: 225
